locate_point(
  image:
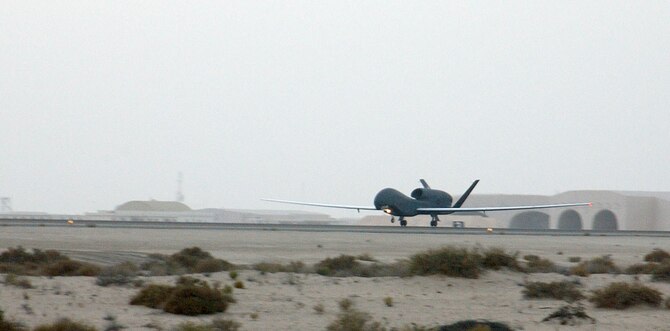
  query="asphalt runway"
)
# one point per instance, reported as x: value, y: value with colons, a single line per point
x: 324, y: 228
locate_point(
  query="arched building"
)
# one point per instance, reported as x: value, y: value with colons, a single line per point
x: 611, y: 210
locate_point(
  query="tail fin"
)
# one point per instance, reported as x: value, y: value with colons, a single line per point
x: 465, y: 195
x: 425, y: 185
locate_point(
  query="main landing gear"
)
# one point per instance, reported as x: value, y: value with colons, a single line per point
x: 401, y: 219
x: 434, y: 220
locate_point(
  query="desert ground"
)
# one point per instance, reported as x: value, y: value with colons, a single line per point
x: 286, y: 301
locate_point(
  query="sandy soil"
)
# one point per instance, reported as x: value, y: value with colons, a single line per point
x: 285, y: 301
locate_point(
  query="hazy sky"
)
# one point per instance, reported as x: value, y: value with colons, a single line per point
x: 102, y: 102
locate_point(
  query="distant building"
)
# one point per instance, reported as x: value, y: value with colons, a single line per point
x: 173, y: 211
x: 611, y: 210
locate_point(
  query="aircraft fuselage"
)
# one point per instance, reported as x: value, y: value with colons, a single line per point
x: 395, y: 203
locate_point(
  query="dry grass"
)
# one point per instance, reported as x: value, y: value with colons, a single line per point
x: 496, y: 258
x: 65, y: 325
x: 476, y: 325
x: 152, y: 296
x: 641, y: 268
x: 623, y: 295
x: 10, y: 325
x: 536, y: 264
x: 563, y: 290
x: 19, y: 261
x: 661, y: 272
x: 569, y: 315
x: 188, y: 260
x: 190, y: 296
x: 14, y: 280
x: 120, y: 274
x: 450, y: 261
x: 657, y: 255
x: 598, y: 265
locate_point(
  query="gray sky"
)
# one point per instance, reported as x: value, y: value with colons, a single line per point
x: 106, y: 101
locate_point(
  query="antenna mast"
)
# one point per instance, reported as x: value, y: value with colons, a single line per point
x: 180, y: 194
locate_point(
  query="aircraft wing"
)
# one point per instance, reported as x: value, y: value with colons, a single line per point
x: 322, y: 204
x: 485, y: 209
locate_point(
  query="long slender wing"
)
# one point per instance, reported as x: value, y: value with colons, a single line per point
x: 322, y: 204
x: 456, y: 210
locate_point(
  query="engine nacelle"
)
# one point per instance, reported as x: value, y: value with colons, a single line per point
x: 434, y: 197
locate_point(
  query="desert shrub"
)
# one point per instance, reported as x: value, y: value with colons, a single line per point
x: 661, y: 272
x: 10, y: 325
x: 641, y: 268
x: 350, y: 319
x: 65, y: 324
x: 211, y: 265
x: 337, y: 265
x: 496, y: 258
x: 161, y: 265
x: 345, y: 304
x: 657, y: 255
x: 71, y: 268
x: 598, y: 265
x: 19, y: 255
x: 450, y: 261
x: 476, y: 325
x: 563, y: 290
x: 21, y: 262
x: 388, y: 301
x: 219, y: 324
x: 535, y: 263
x: 216, y: 325
x: 152, y: 296
x: 120, y: 274
x: 190, y: 281
x: 366, y: 257
x: 269, y: 267
x: 574, y: 259
x: 569, y: 315
x: 622, y: 295
x: 190, y: 296
x: 239, y: 284
x: 189, y: 257
x: 188, y: 260
x: 233, y: 274
x: 14, y: 280
x: 667, y: 303
x: 195, y: 300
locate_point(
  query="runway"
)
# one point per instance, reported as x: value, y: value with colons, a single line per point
x: 310, y: 227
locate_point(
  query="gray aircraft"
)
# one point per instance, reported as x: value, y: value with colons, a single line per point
x: 425, y: 201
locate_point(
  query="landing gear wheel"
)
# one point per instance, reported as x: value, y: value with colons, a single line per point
x: 392, y: 219
x: 433, y: 223
x: 403, y: 223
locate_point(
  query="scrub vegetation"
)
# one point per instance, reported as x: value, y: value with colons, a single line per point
x: 190, y: 296
x: 622, y: 295
x: 598, y: 265
x: 563, y: 290
x: 187, y: 261
x: 19, y: 261
x: 462, y: 262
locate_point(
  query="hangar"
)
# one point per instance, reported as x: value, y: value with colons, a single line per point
x: 611, y: 210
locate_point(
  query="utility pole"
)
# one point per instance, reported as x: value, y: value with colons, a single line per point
x: 180, y: 194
